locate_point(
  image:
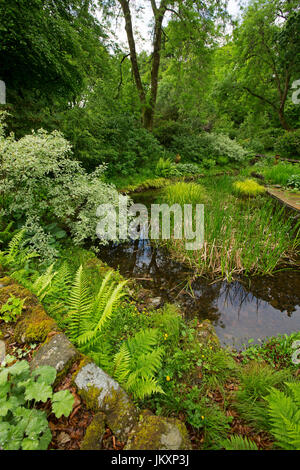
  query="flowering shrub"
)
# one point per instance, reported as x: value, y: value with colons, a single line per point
x: 40, y: 183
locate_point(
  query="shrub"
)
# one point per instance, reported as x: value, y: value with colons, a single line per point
x: 294, y: 182
x: 188, y: 169
x: 41, y: 184
x: 166, y: 168
x: 184, y: 193
x: 248, y: 187
x: 201, y: 147
x: 288, y: 145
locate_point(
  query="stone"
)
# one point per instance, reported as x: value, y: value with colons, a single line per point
x: 102, y: 393
x: 158, y: 433
x: 58, y: 352
x: 94, y: 433
x: 206, y: 333
x: 2, y: 351
x: 155, y: 302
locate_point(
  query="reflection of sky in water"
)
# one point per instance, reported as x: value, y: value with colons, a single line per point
x: 244, y: 316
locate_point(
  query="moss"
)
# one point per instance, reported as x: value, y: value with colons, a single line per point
x: 11, y: 288
x: 34, y: 326
x: 91, y: 397
x: 157, y: 433
x: 121, y: 413
x: 94, y: 433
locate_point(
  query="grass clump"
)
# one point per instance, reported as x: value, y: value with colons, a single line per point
x: 184, y: 193
x: 248, y: 187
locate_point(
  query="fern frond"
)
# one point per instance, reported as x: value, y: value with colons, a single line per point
x: 122, y: 364
x: 239, y: 443
x: 80, y: 305
x: 41, y: 285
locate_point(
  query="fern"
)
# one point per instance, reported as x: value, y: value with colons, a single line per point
x: 41, y: 285
x: 80, y: 305
x: 284, y: 415
x: 239, y: 443
x: 88, y: 315
x: 16, y: 254
x: 137, y: 362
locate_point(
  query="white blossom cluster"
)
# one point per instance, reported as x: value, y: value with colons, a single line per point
x: 39, y: 182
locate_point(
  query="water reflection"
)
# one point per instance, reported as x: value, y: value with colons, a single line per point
x: 241, y: 310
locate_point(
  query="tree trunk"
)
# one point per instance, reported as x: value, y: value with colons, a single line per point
x: 133, y: 55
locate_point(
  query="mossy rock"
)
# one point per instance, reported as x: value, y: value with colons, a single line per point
x: 94, y: 433
x: 101, y: 393
x: 34, y: 326
x: 158, y: 433
x: 206, y: 334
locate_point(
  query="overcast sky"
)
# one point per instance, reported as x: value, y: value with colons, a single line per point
x: 141, y: 26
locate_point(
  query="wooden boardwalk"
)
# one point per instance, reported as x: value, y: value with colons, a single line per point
x: 289, y: 199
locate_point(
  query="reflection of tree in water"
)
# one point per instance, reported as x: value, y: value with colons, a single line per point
x: 155, y: 269
x: 282, y: 291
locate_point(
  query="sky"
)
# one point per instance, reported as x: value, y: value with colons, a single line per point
x: 141, y: 26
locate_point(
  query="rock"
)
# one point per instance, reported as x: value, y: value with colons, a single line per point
x: 101, y: 393
x: 206, y: 333
x: 58, y: 352
x: 2, y: 351
x: 158, y: 433
x: 34, y: 326
x: 94, y: 433
x: 155, y: 302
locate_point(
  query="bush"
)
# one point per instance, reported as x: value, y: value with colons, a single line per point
x: 294, y: 182
x: 202, y: 147
x: 248, y: 187
x: 188, y: 169
x: 166, y: 168
x: 40, y: 186
x: 288, y: 145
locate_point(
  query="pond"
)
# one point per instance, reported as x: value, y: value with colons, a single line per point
x: 248, y: 308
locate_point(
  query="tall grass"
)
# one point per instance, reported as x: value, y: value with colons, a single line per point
x: 280, y: 174
x: 184, y: 193
x: 241, y: 236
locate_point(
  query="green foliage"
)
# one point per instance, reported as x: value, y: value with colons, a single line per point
x: 248, y: 188
x: 205, y: 146
x: 137, y: 363
x: 188, y: 169
x: 166, y: 168
x: 22, y: 425
x: 288, y: 145
x: 88, y: 314
x: 12, y: 309
x: 184, y: 193
x: 294, y: 182
x: 281, y: 173
x: 284, y: 416
x: 276, y: 351
x: 256, y: 380
x: 239, y: 443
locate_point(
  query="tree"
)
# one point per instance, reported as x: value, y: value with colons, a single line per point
x: 194, y: 14
x: 266, y: 58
